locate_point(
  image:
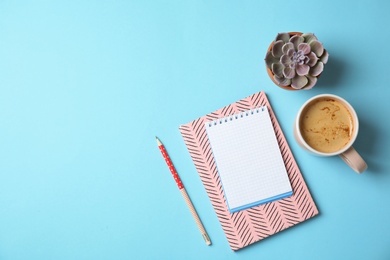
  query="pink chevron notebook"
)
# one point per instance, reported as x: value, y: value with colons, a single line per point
x: 248, y: 226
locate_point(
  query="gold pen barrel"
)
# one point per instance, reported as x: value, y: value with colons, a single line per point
x: 196, y: 217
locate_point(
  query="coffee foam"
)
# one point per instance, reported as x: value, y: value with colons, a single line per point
x: 326, y: 125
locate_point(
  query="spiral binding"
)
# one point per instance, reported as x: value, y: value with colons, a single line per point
x: 236, y: 116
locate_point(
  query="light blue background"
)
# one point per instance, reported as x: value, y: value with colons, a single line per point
x: 86, y: 85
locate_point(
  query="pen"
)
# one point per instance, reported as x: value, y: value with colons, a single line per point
x: 183, y: 192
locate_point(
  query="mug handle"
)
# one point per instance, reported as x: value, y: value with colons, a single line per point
x: 354, y: 160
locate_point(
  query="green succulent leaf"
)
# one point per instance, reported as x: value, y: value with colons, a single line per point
x: 325, y: 56
x: 288, y: 72
x: 269, y: 60
x: 317, y: 69
x: 277, y: 49
x: 298, y: 82
x: 296, y: 40
x: 312, y: 59
x: 304, y: 47
x: 282, y: 81
x: 311, y: 83
x: 287, y: 47
x: 302, y: 69
x: 285, y: 59
x: 290, y: 52
x: 309, y: 37
x: 277, y: 69
x: 317, y: 48
x: 285, y: 37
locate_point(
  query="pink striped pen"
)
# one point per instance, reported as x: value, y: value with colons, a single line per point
x: 183, y: 192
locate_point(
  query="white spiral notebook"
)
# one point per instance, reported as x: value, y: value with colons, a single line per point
x: 248, y: 159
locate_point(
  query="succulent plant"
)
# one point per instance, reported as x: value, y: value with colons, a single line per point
x: 296, y: 60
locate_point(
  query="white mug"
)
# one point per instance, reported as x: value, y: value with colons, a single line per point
x: 327, y: 125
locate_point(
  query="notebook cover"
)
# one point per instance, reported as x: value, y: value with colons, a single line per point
x: 254, y: 224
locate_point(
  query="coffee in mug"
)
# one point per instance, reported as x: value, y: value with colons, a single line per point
x: 327, y: 125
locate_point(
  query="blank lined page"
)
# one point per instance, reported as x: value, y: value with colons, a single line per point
x: 248, y: 159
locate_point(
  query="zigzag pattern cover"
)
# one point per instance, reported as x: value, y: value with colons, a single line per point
x: 251, y: 225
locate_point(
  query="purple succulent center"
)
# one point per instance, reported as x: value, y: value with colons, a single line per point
x: 298, y: 58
